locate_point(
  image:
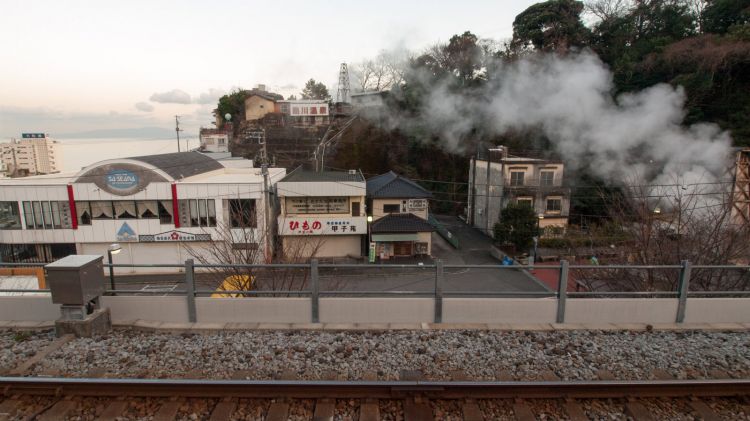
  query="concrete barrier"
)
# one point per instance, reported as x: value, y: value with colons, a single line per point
x: 253, y: 310
x: 717, y: 310
x: 29, y: 308
x: 376, y: 310
x: 499, y: 310
x: 621, y: 310
x: 157, y: 309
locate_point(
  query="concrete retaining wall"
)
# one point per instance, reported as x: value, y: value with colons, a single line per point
x: 621, y: 310
x: 157, y: 309
x: 717, y: 310
x: 253, y: 310
x: 29, y: 308
x: 499, y: 310
x: 377, y: 310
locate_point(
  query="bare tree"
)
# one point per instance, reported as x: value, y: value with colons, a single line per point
x: 381, y: 73
x: 239, y: 243
x: 668, y: 224
x: 607, y: 9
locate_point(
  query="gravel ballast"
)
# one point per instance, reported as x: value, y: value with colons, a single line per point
x: 435, y: 353
x: 17, y: 346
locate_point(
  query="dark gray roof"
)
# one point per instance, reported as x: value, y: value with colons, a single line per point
x: 401, y: 222
x: 300, y: 175
x: 181, y: 164
x: 392, y: 185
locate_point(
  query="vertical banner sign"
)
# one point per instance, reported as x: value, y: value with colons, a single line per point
x: 372, y: 252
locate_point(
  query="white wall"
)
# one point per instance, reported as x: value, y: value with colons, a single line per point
x: 377, y: 310
x: 717, y: 310
x: 499, y: 310
x: 621, y: 310
x: 29, y: 308
x: 254, y: 310
x: 160, y: 309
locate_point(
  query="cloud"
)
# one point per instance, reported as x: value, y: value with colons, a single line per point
x: 175, y: 96
x: 210, y: 97
x: 144, y: 106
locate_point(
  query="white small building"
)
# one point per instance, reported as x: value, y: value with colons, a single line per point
x: 216, y: 140
x: 34, y: 153
x: 322, y: 214
x: 160, y: 208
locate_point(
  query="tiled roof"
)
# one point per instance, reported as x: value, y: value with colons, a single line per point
x: 300, y: 175
x: 392, y: 185
x: 400, y: 222
x: 180, y: 165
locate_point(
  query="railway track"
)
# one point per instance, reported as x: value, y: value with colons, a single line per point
x: 47, y: 398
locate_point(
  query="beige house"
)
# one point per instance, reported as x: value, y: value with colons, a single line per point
x: 34, y: 153
x: 535, y: 182
x: 258, y: 104
x: 400, y: 209
x: 322, y: 214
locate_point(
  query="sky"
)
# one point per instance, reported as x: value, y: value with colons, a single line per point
x: 75, y: 66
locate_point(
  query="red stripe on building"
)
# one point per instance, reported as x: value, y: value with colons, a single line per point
x: 72, y: 203
x: 175, y: 213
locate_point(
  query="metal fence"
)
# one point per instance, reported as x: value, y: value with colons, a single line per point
x: 311, y: 288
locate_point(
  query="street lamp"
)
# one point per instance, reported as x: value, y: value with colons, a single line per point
x: 370, y: 252
x: 536, y: 237
x: 113, y: 249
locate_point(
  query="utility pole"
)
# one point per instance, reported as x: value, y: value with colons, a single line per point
x: 260, y: 136
x: 177, y: 130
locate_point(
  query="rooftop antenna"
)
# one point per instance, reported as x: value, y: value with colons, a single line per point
x: 342, y: 95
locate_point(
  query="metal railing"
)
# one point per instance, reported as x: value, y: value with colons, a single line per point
x: 312, y: 289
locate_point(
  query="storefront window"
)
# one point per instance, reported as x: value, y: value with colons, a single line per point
x: 198, y: 213
x: 47, y: 213
x: 83, y: 209
x: 38, y: 219
x: 10, y: 217
x: 125, y: 209
x: 56, y: 219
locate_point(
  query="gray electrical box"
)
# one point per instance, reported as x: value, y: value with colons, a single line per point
x: 76, y: 279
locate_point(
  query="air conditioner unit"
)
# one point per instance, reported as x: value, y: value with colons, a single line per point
x: 353, y: 172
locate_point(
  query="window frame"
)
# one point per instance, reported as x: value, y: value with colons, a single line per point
x: 551, y: 200
x: 15, y: 214
x: 514, y: 181
x: 542, y: 173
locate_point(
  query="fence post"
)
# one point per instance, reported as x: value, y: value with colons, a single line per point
x: 315, y: 290
x: 439, y: 275
x: 190, y: 289
x: 682, y: 292
x: 562, y: 291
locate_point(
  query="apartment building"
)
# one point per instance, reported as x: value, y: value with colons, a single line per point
x: 34, y: 153
x: 501, y: 178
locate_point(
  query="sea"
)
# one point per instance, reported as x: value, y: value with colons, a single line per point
x: 79, y: 153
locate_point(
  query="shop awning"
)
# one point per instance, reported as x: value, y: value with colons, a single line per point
x: 394, y: 237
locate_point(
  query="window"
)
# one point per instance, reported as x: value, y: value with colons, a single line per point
x: 38, y: 218
x: 554, y: 205
x: 391, y: 208
x: 147, y: 209
x: 10, y: 217
x: 546, y: 178
x: 165, y: 211
x: 125, y: 209
x: 56, y: 219
x: 355, y: 208
x: 516, y: 178
x: 525, y: 201
x: 242, y: 213
x: 102, y: 210
x: 194, y: 212
x: 83, y: 209
x: 47, y: 214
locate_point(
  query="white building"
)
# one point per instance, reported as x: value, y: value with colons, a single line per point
x: 34, y: 153
x: 160, y: 208
x: 215, y: 140
x: 322, y: 213
x: 537, y: 183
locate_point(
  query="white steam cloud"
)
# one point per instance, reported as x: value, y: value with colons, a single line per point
x: 570, y: 100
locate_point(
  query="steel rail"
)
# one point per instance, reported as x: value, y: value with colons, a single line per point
x: 372, y: 389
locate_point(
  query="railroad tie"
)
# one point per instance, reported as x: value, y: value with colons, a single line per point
x: 59, y: 411
x: 168, y: 411
x: 223, y: 410
x: 278, y: 411
x: 411, y: 375
x: 9, y: 407
x: 522, y: 411
x: 417, y: 411
x: 459, y: 376
x: 242, y: 375
x: 113, y: 411
x: 39, y: 356
x: 369, y: 410
x: 471, y: 411
x: 605, y: 375
x: 661, y: 374
x: 574, y: 411
x: 638, y: 412
x: 704, y: 411
x: 504, y: 376
x: 718, y: 374
x: 549, y: 376
x: 324, y: 409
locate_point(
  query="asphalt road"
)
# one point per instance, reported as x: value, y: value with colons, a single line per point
x: 474, y: 250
